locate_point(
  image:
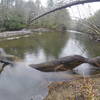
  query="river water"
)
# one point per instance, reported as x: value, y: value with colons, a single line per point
x: 22, y: 82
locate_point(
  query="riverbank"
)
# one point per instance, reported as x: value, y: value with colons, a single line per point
x: 10, y: 35
x: 87, y: 88
x: 22, y: 32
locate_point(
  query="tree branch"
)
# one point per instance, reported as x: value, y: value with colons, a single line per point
x: 65, y: 6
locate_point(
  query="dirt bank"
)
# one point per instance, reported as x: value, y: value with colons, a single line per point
x: 87, y: 88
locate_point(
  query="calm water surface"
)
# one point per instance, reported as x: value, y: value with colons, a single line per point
x: 24, y: 83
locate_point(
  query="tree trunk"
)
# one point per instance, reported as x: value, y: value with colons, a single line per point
x: 61, y: 64
x: 65, y: 6
x: 65, y: 63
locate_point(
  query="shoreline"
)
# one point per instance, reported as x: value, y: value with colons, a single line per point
x: 7, y: 34
x: 81, y: 88
x: 11, y: 35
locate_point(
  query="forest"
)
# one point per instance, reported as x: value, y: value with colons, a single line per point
x: 17, y: 14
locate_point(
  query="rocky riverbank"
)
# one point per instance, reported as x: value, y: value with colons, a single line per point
x: 22, y: 32
x: 82, y: 88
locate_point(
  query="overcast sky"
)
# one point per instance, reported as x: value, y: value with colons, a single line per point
x: 80, y: 10
x: 84, y: 11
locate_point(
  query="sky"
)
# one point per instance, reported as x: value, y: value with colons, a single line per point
x: 80, y: 10
x: 85, y: 10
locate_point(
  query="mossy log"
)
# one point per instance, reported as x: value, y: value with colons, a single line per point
x: 65, y: 63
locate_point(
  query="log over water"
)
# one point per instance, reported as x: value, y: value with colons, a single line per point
x: 61, y: 64
x: 66, y: 63
x: 65, y: 6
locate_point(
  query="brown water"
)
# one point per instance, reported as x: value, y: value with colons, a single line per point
x: 22, y: 82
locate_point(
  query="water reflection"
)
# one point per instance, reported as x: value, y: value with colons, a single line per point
x: 48, y: 46
x: 73, y: 48
x: 51, y: 43
x: 22, y: 82
x: 91, y: 47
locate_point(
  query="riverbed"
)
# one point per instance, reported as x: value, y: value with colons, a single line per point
x: 22, y: 82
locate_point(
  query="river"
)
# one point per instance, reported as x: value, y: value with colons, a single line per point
x: 22, y: 82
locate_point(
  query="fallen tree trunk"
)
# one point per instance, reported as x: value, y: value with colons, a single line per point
x: 64, y: 6
x: 94, y: 61
x: 65, y: 63
x: 61, y: 64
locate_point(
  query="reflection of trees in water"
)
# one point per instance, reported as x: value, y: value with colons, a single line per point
x: 20, y: 47
x: 91, y: 47
x: 51, y: 43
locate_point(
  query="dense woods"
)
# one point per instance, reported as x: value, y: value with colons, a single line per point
x: 17, y: 14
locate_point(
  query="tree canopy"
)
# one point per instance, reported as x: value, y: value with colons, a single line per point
x: 17, y: 14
